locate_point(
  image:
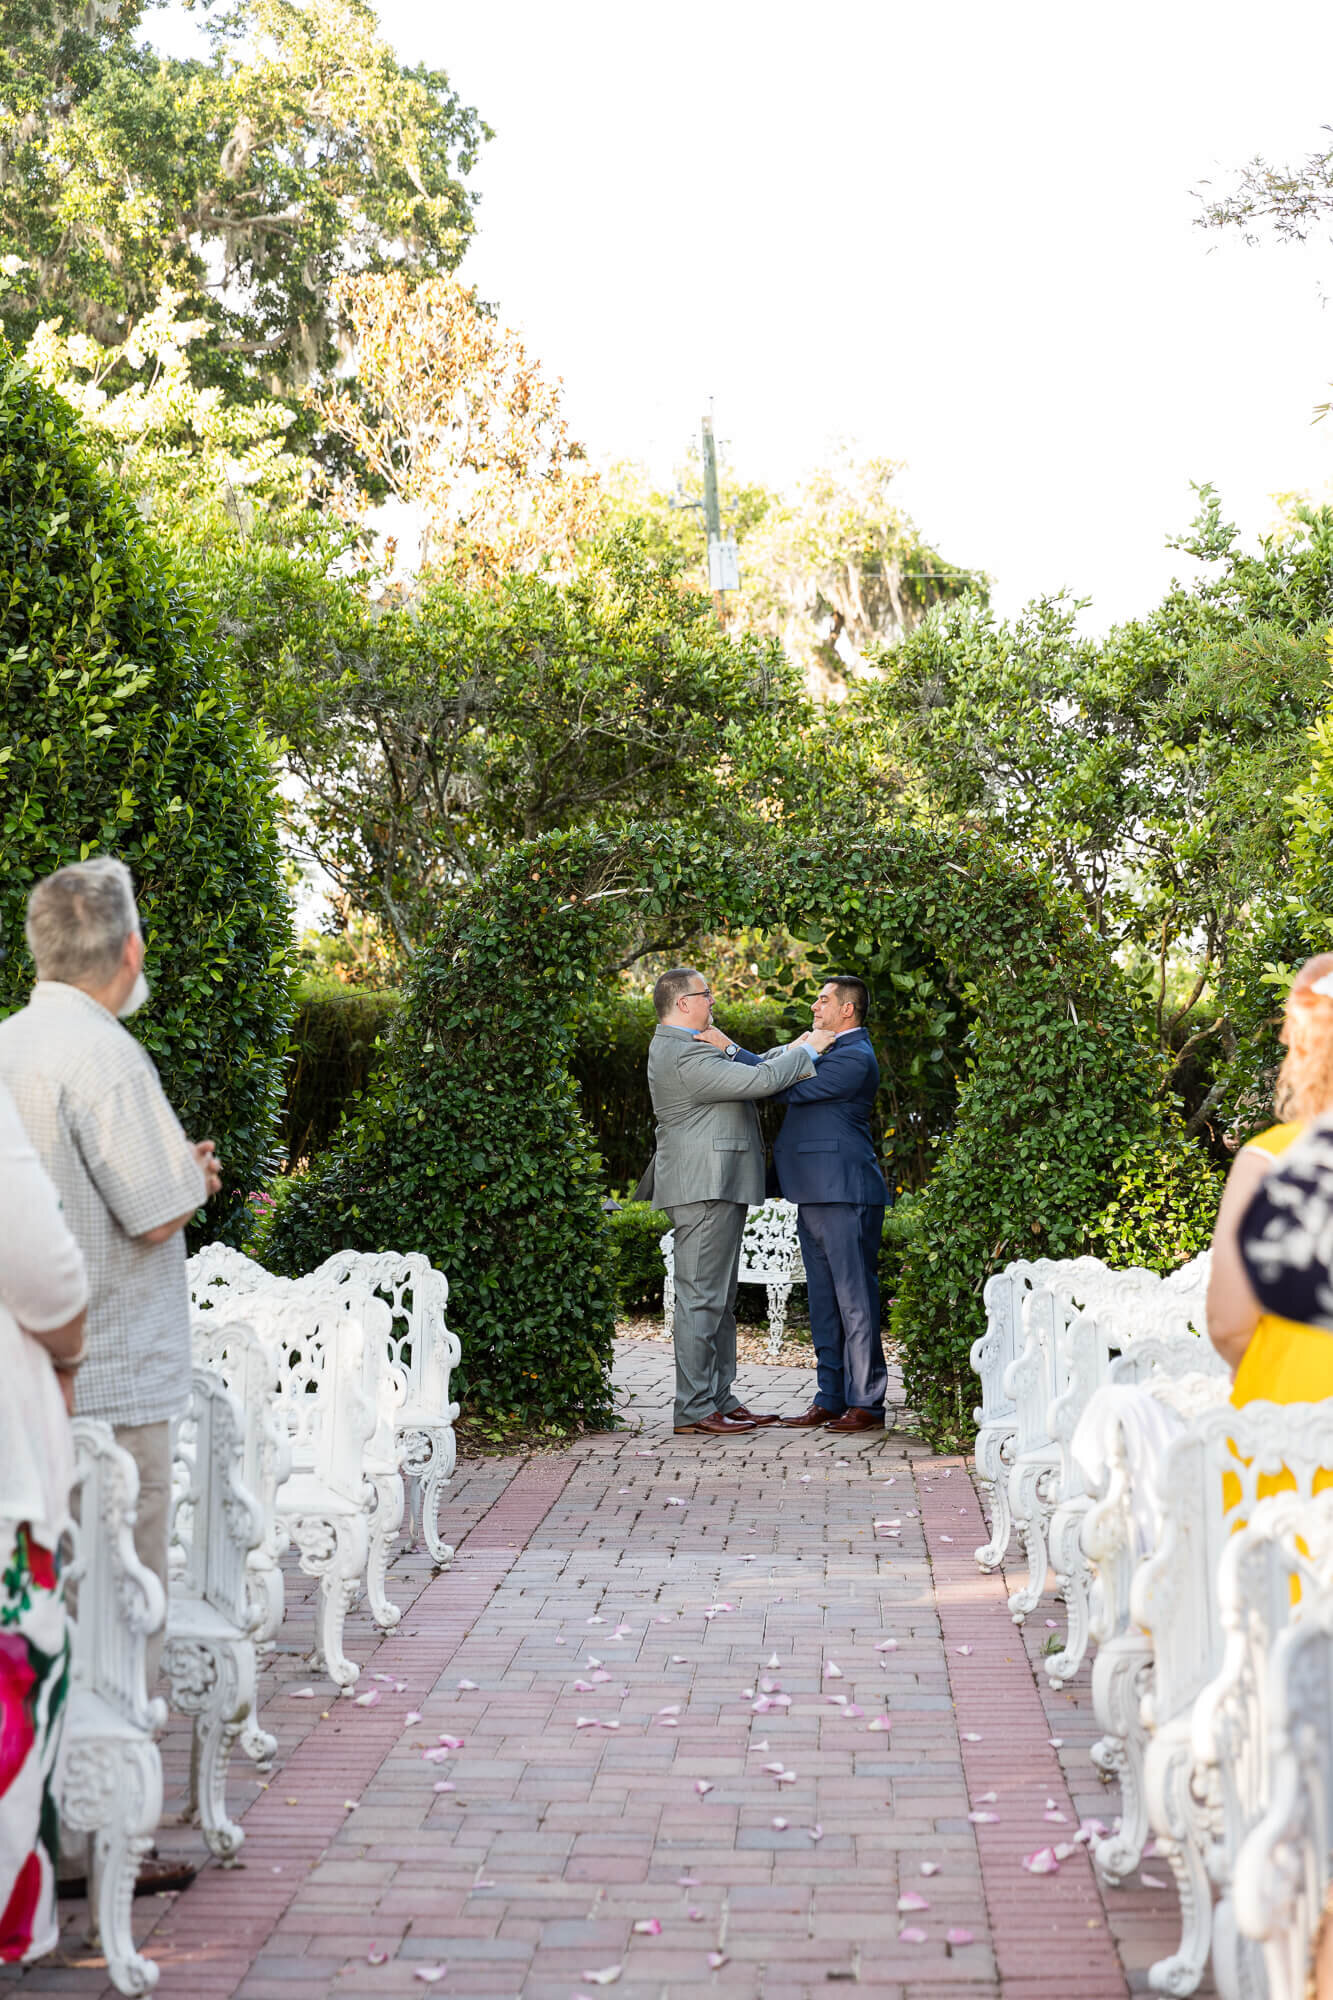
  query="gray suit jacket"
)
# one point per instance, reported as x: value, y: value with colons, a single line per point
x: 709, y: 1146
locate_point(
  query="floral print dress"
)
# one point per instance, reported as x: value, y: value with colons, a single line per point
x: 34, y: 1682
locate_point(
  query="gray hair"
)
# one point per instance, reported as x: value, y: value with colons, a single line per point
x: 79, y: 919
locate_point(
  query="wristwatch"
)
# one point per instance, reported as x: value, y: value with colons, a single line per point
x: 730, y: 1050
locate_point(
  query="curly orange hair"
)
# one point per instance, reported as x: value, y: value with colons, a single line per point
x: 1305, y: 1080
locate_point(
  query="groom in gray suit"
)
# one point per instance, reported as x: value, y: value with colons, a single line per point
x: 709, y: 1165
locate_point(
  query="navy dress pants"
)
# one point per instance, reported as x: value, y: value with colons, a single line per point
x: 840, y: 1250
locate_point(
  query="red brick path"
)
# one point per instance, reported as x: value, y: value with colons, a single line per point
x: 665, y: 1573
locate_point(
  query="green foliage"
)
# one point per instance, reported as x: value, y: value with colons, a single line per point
x: 1150, y: 771
x: 300, y: 148
x: 637, y: 1229
x: 1163, y: 1207
x: 337, y: 1039
x: 469, y: 1144
x: 121, y: 732
x: 429, y: 735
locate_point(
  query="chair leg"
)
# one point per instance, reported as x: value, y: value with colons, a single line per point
x: 215, y: 1682
x: 335, y: 1551
x: 384, y: 1525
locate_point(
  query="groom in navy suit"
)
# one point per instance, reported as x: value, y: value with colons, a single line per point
x: 825, y: 1161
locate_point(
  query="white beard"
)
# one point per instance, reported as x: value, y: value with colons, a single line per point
x: 134, y: 999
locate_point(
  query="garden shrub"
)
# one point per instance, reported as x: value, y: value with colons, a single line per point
x: 637, y: 1229
x: 121, y: 733
x: 337, y: 1039
x: 469, y: 1144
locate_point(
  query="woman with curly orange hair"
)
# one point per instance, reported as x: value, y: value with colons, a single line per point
x: 1278, y: 1360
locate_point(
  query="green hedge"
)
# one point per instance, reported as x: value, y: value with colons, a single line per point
x: 121, y: 732
x: 337, y: 1039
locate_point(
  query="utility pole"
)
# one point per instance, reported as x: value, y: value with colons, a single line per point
x: 724, y: 569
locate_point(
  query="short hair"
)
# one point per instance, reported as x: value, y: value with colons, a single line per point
x: 79, y: 919
x: 670, y: 987
x: 848, y: 987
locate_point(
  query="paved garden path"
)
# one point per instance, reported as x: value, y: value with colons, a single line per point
x: 665, y: 1664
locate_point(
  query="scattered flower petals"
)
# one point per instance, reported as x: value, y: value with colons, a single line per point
x: 1052, y: 1625
x: 1056, y: 1742
x: 430, y: 1975
x: 887, y: 1646
x: 971, y: 1736
x: 773, y: 1661
x: 816, y: 1832
x: 453, y: 1742
x: 412, y: 1718
x: 785, y: 1778
x: 983, y: 1818
x: 649, y: 1927
x: 840, y: 1699
x: 606, y: 1977
x: 930, y: 1867
x: 702, y: 1786
x: 760, y: 1746
x: 444, y: 1786
x: 371, y: 1700
x: 1056, y: 1817
x: 1043, y: 1862
x: 911, y: 1901
x: 595, y: 1621
x: 583, y: 1687
x: 678, y: 1503
x: 987, y: 1798
x: 679, y: 1660
x: 879, y: 1723
x: 716, y: 1960
x: 957, y: 1935
x: 599, y: 1675
x: 946, y: 1538
x: 434, y: 1756
x: 386, y: 1678
x: 1152, y: 1881
x: 667, y: 1722
x: 466, y: 1684
x: 377, y: 1958
x: 852, y: 1713
x: 774, y: 1767
x: 964, y: 1650
x: 696, y: 1916
x: 1063, y: 1849
x: 673, y: 1708
x: 350, y: 1805
x: 687, y: 1881
x: 781, y: 1825
x: 911, y: 1935
x: 301, y: 1694
x: 831, y: 1672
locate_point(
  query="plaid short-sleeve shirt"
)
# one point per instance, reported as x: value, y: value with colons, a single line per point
x: 96, y: 1113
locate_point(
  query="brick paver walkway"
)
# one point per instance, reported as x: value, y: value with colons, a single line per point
x: 720, y: 1706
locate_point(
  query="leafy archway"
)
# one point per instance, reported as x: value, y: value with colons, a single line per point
x: 471, y: 1146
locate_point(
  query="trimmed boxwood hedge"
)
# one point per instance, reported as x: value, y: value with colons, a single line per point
x: 469, y: 1144
x: 121, y: 733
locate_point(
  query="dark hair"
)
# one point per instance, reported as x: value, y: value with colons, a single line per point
x: 848, y: 987
x: 670, y: 987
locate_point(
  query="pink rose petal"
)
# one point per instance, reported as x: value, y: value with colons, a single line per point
x: 816, y: 1832
x: 1043, y: 1862
x: 444, y: 1786
x: 781, y: 1825
x: 716, y: 1960
x: 377, y: 1958
x: 649, y: 1927
x: 467, y: 1684
x: 452, y: 1742
x: 696, y: 1916
x: 911, y: 1935
x: 887, y: 1646
x: 594, y: 1620
x: 1152, y: 1881
x: 775, y: 1768
x: 412, y: 1718
x: 831, y: 1672
x: 386, y: 1678
x: 987, y: 1799
x: 879, y: 1723
x: 911, y: 1901
x: 702, y: 1786
x: 371, y: 1700
x: 852, y: 1713
x: 687, y: 1881
x: 606, y: 1977
x: 301, y: 1694
x: 434, y: 1756
x: 430, y: 1975
x: 971, y: 1736
x: 930, y: 1867
x: 964, y: 1650
x: 957, y: 1936
x: 983, y: 1818
x: 773, y: 1661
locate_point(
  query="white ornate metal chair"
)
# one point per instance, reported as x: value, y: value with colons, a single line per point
x: 421, y: 1344
x: 770, y: 1256
x: 1147, y: 1677
x: 1073, y: 1325
x: 249, y: 1367
x: 209, y: 1657
x: 110, y: 1780
x: 1281, y: 1875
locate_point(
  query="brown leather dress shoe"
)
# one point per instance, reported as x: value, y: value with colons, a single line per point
x: 858, y: 1420
x: 753, y: 1416
x: 717, y: 1425
x: 809, y: 1419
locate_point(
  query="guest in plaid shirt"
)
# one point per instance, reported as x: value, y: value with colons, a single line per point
x: 128, y: 1178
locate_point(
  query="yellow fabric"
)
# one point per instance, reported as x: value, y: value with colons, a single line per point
x: 1286, y: 1361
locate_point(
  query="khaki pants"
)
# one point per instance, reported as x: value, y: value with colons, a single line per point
x: 149, y: 1445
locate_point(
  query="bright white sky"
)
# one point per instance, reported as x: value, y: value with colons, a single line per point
x: 958, y: 234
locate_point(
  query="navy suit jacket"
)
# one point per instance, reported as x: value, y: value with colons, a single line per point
x: 824, y: 1151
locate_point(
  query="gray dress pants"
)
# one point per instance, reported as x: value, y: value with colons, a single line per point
x: 708, y: 1254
